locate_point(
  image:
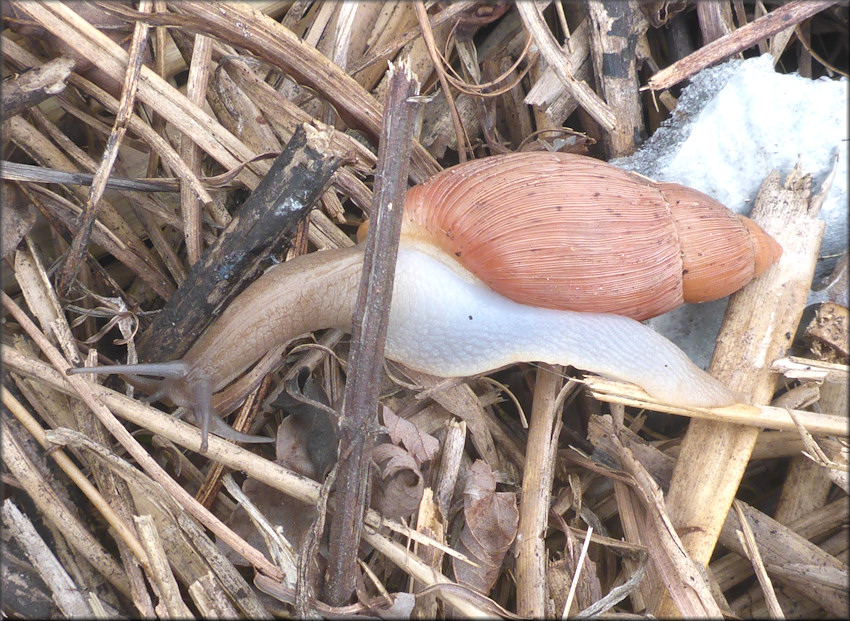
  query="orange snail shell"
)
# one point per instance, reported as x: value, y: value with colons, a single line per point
x: 599, y: 239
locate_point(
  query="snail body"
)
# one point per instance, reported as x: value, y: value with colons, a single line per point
x: 445, y: 321
x: 523, y: 257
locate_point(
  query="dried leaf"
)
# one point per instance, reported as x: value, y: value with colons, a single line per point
x: 399, y: 485
x: 291, y: 448
x: 309, y: 433
x: 491, y: 526
x: 294, y: 519
x: 422, y: 446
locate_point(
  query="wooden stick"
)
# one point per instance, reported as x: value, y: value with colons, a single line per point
x: 557, y: 59
x: 36, y: 85
x: 758, y: 327
x: 369, y: 328
x: 263, y: 224
x: 531, y: 557
x: 757, y: 416
x: 784, y: 17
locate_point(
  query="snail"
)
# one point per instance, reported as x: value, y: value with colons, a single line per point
x: 537, y: 256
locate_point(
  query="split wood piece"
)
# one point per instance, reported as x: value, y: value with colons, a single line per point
x: 684, y: 580
x: 261, y: 227
x: 93, y: 397
x: 160, y: 146
x: 160, y: 571
x: 792, y: 561
x: 380, y: 24
x: 549, y: 92
x: 172, y: 105
x: 15, y: 171
x: 236, y: 458
x: 459, y: 399
x: 807, y: 483
x: 120, y: 524
x: 780, y: 545
x: 285, y: 116
x: 44, y: 305
x: 50, y: 503
x: 134, y: 252
x: 430, y: 521
x: 715, y: 20
x: 463, y: 146
x: 243, y: 26
x: 807, y: 369
x: 36, y: 85
x: 67, y: 596
x: 376, y: 55
x: 557, y: 59
x: 786, y: 16
x: 759, y: 327
x: 616, y: 28
x: 358, y: 418
x: 85, y: 222
x: 190, y: 152
x: 532, y: 559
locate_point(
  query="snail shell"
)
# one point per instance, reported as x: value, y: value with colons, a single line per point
x: 597, y: 238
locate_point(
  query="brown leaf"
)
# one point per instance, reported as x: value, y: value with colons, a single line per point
x: 491, y: 526
x: 309, y: 431
x: 422, y: 446
x: 399, y: 485
x: 293, y: 517
x: 291, y: 448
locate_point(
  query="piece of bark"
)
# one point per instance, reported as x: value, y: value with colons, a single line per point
x: 780, y: 545
x: 36, y: 85
x: 558, y: 60
x: 85, y: 222
x: 742, y: 38
x: 543, y: 432
x: 243, y: 26
x: 261, y: 227
x: 759, y: 326
x: 616, y: 28
x: 18, y: 217
x: 827, y: 335
x: 358, y: 418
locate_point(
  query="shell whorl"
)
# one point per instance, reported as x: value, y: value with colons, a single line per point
x: 570, y: 232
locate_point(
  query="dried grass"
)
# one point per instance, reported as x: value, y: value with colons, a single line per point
x: 129, y: 167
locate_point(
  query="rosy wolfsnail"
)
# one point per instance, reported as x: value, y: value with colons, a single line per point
x: 537, y: 256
